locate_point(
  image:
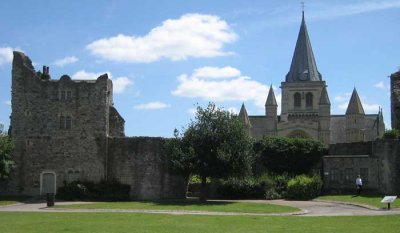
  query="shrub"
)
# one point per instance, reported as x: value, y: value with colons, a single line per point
x: 86, y: 190
x: 266, y: 186
x: 249, y: 187
x: 391, y: 134
x: 303, y: 187
x: 272, y: 194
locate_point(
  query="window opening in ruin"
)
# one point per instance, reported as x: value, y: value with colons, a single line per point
x: 335, y: 175
x: 70, y: 176
x: 62, y: 122
x: 349, y: 176
x: 62, y: 95
x: 68, y: 122
x: 69, y: 94
x: 297, y: 100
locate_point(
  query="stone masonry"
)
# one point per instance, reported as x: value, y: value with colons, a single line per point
x: 395, y: 99
x: 377, y: 162
x: 66, y: 130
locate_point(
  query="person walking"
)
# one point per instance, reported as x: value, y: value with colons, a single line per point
x: 359, y: 185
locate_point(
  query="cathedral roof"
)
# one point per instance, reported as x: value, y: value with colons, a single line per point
x: 355, y: 106
x: 243, y: 116
x: 324, y: 99
x: 271, y: 98
x: 303, y: 67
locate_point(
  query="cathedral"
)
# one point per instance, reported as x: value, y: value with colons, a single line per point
x: 306, y: 109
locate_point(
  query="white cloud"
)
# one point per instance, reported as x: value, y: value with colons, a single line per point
x: 382, y: 85
x: 343, y: 103
x: 7, y: 102
x: 6, y: 55
x: 192, y: 35
x: 83, y: 75
x: 371, y: 108
x: 120, y: 84
x: 233, y: 110
x: 192, y: 111
x: 236, y: 88
x: 152, y: 106
x: 343, y: 97
x: 65, y: 61
x: 216, y: 72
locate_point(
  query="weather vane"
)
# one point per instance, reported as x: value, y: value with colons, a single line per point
x: 302, y: 6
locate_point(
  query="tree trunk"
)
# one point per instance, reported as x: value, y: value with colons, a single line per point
x: 203, y: 194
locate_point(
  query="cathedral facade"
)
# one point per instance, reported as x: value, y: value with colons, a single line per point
x: 306, y: 109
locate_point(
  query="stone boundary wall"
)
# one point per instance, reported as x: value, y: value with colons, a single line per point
x: 137, y: 161
x: 356, y: 148
x: 381, y: 158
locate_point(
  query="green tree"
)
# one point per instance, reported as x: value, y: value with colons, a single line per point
x: 391, y: 134
x: 214, y: 145
x: 6, y: 156
x: 292, y: 155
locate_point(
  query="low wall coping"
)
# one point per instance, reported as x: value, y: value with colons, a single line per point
x: 346, y: 156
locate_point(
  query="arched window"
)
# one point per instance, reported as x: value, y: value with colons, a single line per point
x: 62, y: 122
x: 68, y: 122
x: 297, y: 100
x: 309, y: 100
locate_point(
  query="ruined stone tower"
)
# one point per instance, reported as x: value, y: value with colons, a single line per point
x: 57, y: 122
x: 67, y: 130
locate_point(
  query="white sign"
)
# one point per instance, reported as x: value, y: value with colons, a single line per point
x: 388, y: 199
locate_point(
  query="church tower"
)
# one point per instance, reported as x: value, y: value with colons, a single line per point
x: 306, y: 108
x: 304, y: 95
x: 355, y: 119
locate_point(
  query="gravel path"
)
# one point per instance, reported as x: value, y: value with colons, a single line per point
x: 308, y: 208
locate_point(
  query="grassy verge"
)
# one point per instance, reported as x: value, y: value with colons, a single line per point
x: 213, y: 206
x: 9, y: 200
x: 363, y: 199
x: 127, y: 222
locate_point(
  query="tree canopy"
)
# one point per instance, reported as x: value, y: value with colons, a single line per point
x: 6, y: 156
x: 215, y: 144
x: 291, y: 155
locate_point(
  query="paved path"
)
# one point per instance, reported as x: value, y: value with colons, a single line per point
x: 308, y: 208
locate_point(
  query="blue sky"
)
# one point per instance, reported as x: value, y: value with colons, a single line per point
x: 166, y: 56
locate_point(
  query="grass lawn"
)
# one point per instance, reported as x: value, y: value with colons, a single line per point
x: 363, y: 199
x: 9, y: 200
x: 16, y: 222
x: 213, y: 206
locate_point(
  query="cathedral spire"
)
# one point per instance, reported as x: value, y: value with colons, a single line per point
x: 243, y: 116
x: 271, y: 101
x: 355, y: 106
x: 303, y: 67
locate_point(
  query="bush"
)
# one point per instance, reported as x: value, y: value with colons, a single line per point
x: 266, y: 186
x: 6, y: 156
x: 303, y: 187
x: 392, y: 134
x: 250, y: 187
x: 91, y: 191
